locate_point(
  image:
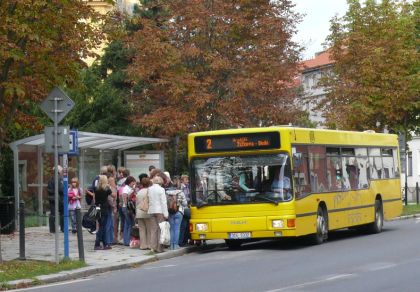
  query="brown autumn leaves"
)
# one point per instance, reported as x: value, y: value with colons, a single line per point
x: 217, y: 64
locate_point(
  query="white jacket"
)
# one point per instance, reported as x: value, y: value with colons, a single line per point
x: 157, y: 200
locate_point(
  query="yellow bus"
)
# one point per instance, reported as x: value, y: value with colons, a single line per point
x: 277, y: 182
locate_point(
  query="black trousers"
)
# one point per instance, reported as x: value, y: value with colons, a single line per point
x: 51, y: 219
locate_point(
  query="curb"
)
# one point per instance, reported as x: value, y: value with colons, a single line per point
x: 92, y: 270
x: 406, y: 217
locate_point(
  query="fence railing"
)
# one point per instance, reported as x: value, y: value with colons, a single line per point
x: 411, y: 194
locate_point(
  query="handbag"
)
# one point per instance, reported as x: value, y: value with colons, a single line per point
x: 165, y: 233
x: 131, y: 206
x: 144, y: 204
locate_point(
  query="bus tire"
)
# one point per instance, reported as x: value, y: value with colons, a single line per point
x: 233, y: 243
x: 321, y: 234
x: 376, y: 226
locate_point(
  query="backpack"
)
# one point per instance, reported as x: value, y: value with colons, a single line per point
x: 131, y: 206
x: 172, y: 201
x: 90, y: 217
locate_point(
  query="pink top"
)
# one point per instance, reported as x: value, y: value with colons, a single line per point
x: 73, y: 202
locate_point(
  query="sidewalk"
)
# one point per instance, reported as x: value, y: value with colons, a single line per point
x: 40, y: 245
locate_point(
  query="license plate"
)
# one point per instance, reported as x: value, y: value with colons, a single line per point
x: 240, y: 235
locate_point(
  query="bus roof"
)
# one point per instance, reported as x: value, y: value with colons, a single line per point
x: 295, y: 135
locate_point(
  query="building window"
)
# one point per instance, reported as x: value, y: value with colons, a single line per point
x: 410, y: 163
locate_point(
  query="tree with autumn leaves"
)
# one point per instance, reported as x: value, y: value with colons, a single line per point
x: 42, y: 44
x: 375, y: 80
x: 213, y: 64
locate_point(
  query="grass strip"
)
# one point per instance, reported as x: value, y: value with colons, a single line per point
x: 15, y: 269
x: 411, y: 209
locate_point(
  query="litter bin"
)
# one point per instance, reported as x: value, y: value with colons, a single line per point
x: 7, y: 214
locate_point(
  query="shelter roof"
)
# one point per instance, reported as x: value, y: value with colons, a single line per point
x: 88, y: 140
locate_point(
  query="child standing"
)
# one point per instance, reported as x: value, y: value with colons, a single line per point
x: 74, y: 194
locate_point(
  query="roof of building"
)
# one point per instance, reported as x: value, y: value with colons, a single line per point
x: 91, y: 140
x: 321, y: 59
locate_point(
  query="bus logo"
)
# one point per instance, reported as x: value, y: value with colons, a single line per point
x: 238, y: 222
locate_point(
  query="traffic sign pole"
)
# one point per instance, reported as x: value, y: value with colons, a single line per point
x: 57, y: 215
x: 56, y: 106
x: 66, y: 206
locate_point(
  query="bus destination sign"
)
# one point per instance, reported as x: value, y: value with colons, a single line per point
x: 237, y: 142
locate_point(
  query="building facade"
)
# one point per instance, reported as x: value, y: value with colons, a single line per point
x: 312, y: 72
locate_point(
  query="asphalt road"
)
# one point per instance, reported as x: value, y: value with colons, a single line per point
x: 349, y: 261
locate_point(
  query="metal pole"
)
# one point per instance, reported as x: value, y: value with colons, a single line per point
x: 40, y: 185
x: 22, y: 231
x: 16, y: 185
x: 405, y: 184
x: 80, y: 235
x: 66, y: 206
x: 1, y: 258
x: 57, y: 215
x: 417, y: 192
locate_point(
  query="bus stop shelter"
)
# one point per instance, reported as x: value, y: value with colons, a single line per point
x: 103, y: 147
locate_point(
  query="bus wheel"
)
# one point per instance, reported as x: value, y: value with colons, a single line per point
x: 321, y: 234
x: 233, y: 243
x: 376, y: 226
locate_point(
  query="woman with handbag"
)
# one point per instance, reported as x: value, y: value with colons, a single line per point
x: 142, y: 207
x: 127, y: 208
x: 158, y: 211
x: 101, y: 200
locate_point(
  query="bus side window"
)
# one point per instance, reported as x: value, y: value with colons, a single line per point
x: 300, y: 172
x: 318, y: 176
x: 362, y: 166
x: 396, y: 162
x: 375, y: 163
x: 387, y: 163
x: 334, y: 173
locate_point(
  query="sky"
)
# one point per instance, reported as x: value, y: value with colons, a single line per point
x: 315, y: 25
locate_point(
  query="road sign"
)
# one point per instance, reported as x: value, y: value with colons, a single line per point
x: 63, y: 139
x: 74, y: 143
x: 62, y: 107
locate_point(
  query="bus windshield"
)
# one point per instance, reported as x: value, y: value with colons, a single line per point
x: 241, y: 179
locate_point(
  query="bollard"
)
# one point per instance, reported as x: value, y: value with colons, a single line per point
x: 417, y: 192
x: 80, y: 235
x: 22, y: 231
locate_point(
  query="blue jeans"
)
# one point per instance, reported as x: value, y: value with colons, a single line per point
x: 128, y: 225
x: 184, y: 233
x: 101, y: 234
x: 175, y: 222
x: 109, y: 228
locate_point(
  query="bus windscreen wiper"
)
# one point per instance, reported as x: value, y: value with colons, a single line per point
x: 268, y: 199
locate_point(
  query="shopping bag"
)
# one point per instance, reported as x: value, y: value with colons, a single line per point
x: 165, y: 233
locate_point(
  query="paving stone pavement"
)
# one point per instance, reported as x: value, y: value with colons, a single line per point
x: 40, y: 245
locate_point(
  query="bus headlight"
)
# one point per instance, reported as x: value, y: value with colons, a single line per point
x: 201, y: 227
x: 277, y: 223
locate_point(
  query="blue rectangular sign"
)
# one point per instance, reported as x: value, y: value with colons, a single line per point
x: 74, y: 145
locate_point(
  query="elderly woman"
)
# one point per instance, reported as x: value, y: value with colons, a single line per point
x: 142, y: 217
x: 158, y: 211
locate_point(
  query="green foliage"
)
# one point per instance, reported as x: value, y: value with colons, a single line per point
x: 376, y: 76
x: 103, y: 99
